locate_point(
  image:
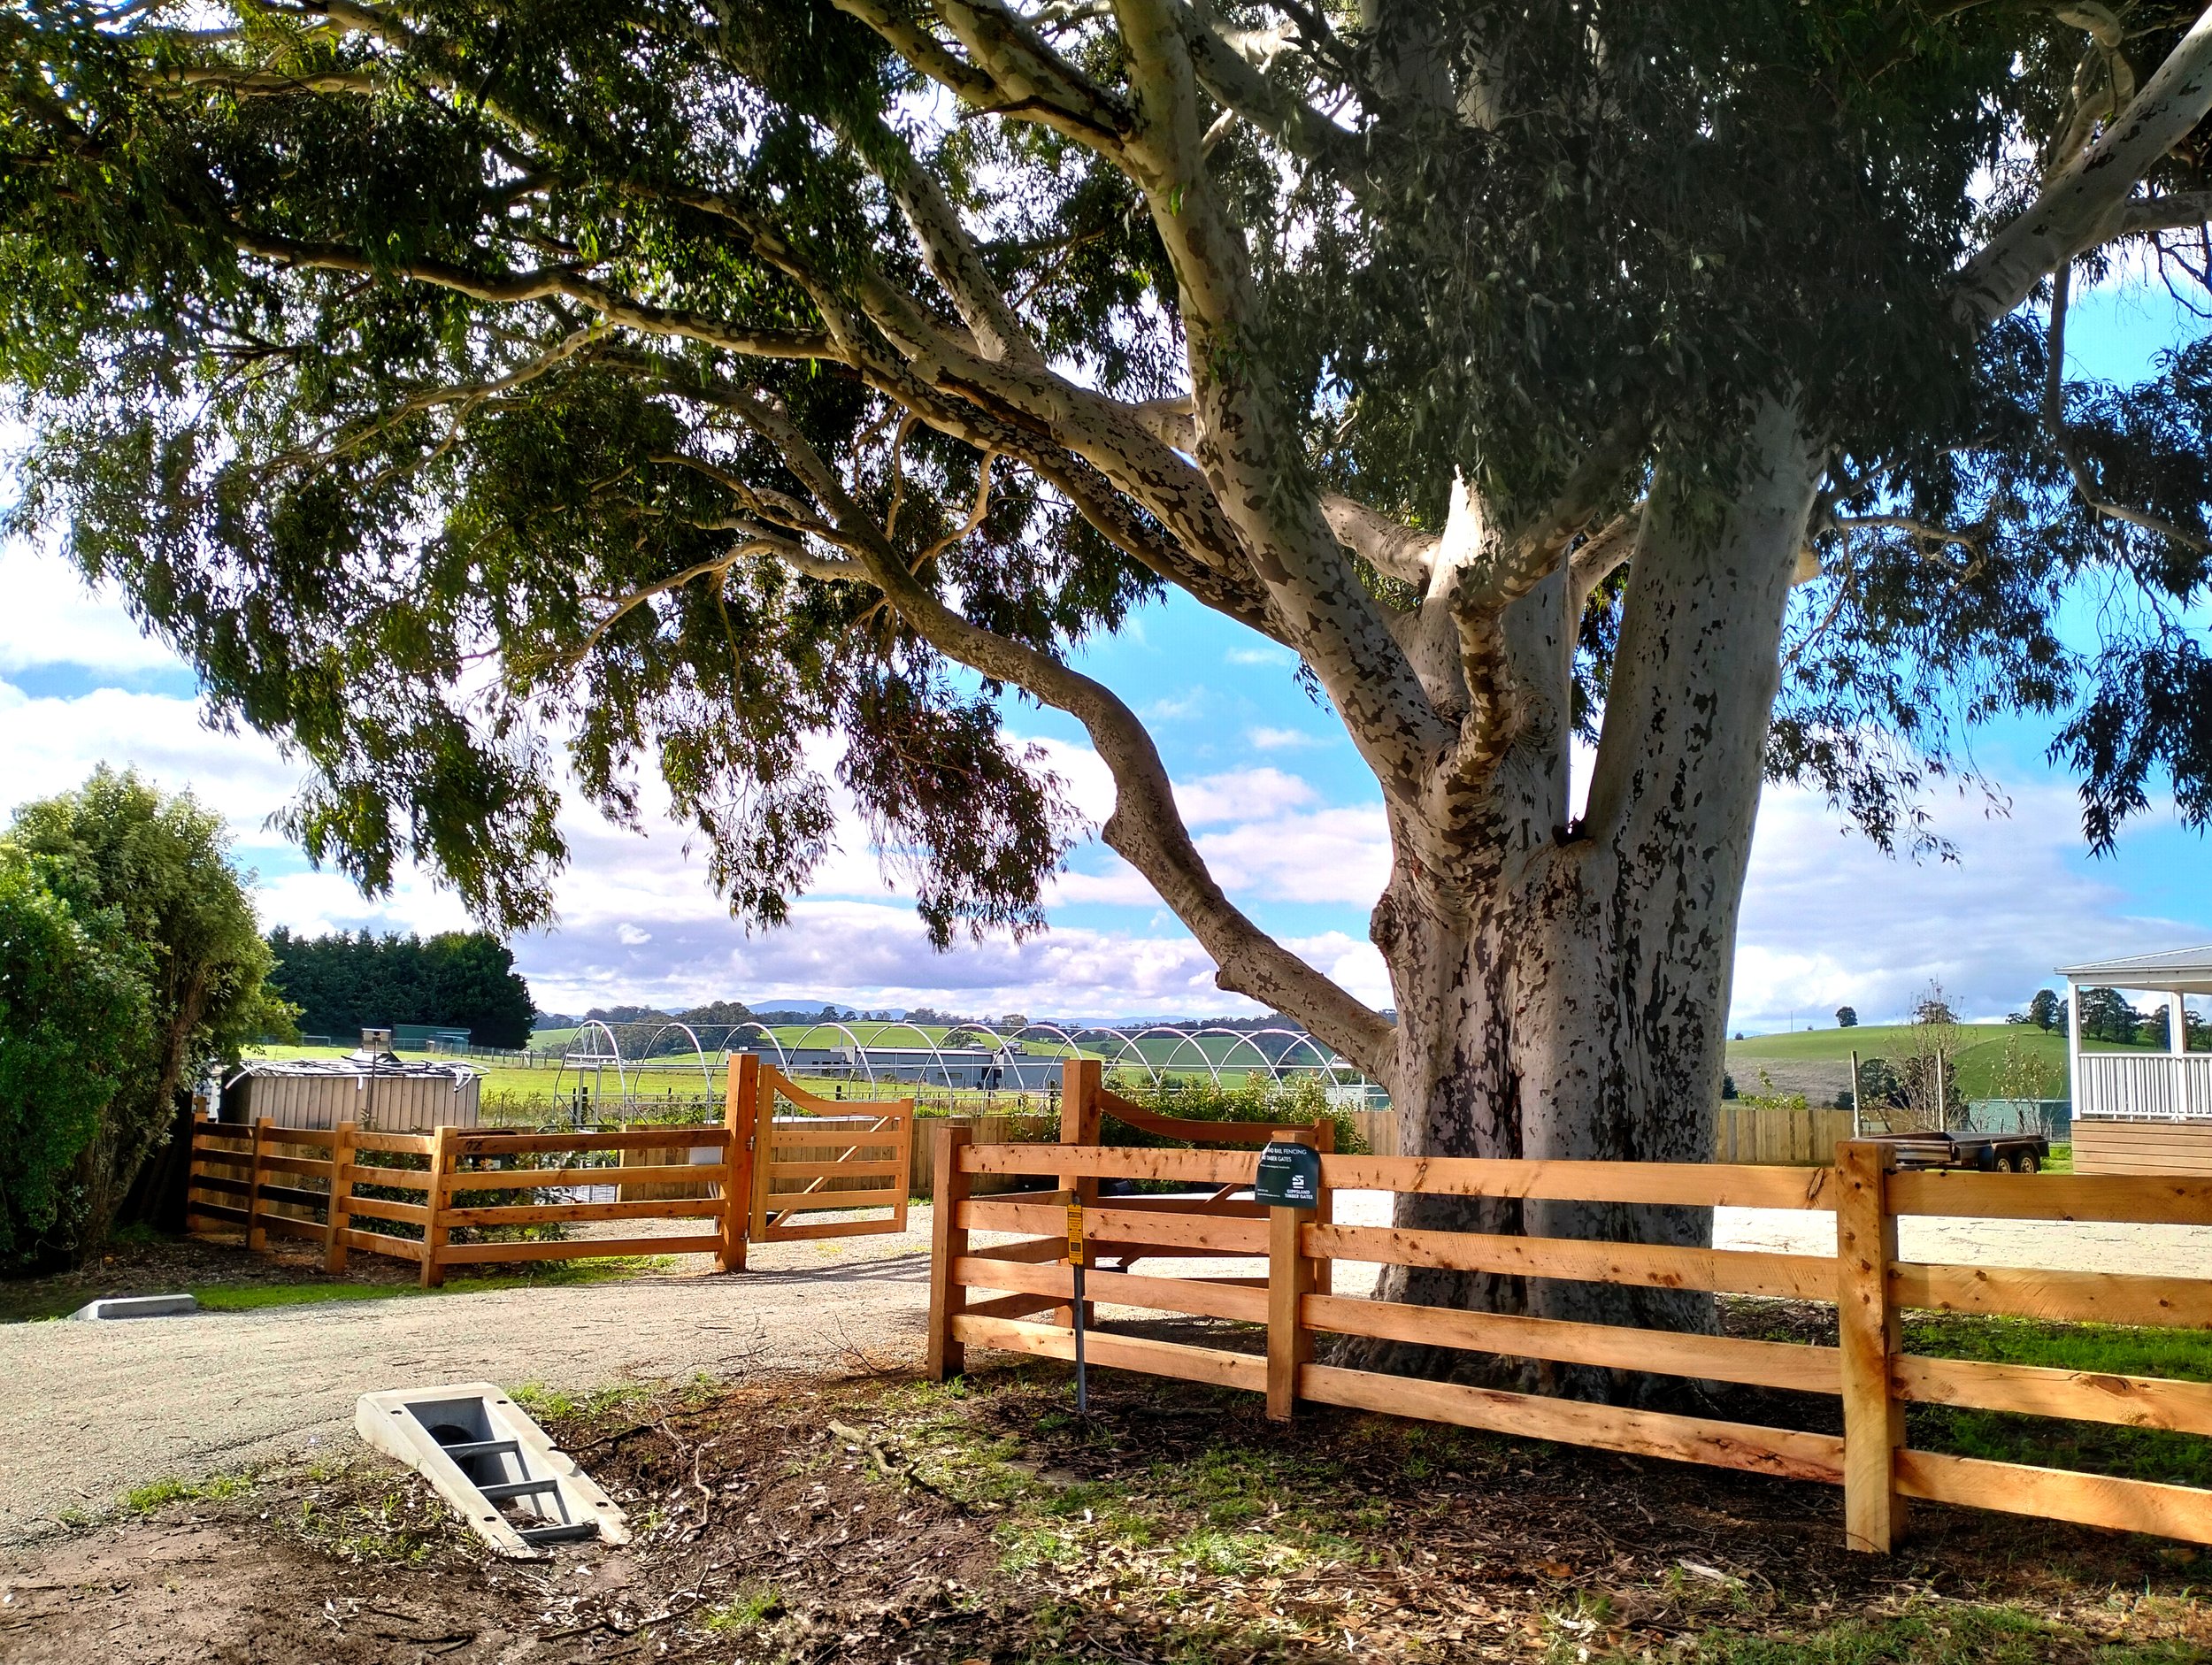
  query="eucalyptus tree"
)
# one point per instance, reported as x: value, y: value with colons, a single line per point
x: 689, y: 380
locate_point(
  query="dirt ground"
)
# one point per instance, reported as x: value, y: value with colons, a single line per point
x: 875, y: 1520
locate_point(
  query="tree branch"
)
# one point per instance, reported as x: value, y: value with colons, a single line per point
x: 2054, y: 425
x: 1921, y: 530
x: 2184, y: 211
x: 543, y: 283
x: 1234, y: 81
x: 1394, y: 550
x: 1145, y: 828
x: 2085, y: 203
x: 1010, y: 71
x: 638, y: 597
x: 245, y: 83
x: 1521, y: 562
x: 955, y: 263
x: 1603, y: 554
x: 1245, y: 438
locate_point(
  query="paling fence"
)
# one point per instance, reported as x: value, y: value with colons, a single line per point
x: 1288, y: 1290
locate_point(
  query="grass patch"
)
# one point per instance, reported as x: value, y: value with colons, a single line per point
x: 2141, y: 1453
x: 557, y: 1274
x: 158, y: 1494
x: 564, y: 1404
x: 368, y: 1515
x: 1175, y: 1527
x: 1954, y: 1635
x: 2105, y: 1349
x: 744, y: 1612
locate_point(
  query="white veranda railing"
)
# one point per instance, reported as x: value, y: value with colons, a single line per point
x: 2145, y: 1086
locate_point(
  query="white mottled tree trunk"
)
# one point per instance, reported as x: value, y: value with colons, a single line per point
x: 1566, y: 998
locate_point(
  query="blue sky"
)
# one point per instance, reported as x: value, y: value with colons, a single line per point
x: 1279, y: 801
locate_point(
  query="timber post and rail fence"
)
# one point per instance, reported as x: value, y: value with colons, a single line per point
x: 1288, y: 1294
x: 756, y: 1177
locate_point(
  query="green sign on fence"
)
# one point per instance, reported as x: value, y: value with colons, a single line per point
x: 1289, y: 1176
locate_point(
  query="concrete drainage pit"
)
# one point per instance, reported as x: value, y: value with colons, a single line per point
x: 491, y: 1462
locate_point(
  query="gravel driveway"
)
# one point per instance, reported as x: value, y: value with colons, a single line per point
x: 88, y: 1409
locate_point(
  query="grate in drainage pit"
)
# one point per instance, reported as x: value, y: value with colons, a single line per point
x: 493, y: 1463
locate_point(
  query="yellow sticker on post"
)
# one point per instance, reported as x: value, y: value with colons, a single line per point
x: 1075, y: 1234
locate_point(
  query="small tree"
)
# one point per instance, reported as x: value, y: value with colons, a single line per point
x: 159, y: 868
x: 1847, y: 1017
x: 2046, y: 1011
x: 1935, y: 1007
x: 2024, y: 1073
x: 1929, y: 1071
x: 72, y: 1015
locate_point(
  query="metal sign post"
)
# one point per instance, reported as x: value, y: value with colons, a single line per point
x: 1075, y: 1268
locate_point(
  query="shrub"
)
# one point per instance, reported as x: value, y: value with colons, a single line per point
x: 1299, y: 1100
x: 73, y: 1003
x: 156, y: 868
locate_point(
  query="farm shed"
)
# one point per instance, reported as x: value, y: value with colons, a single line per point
x: 2142, y: 1112
x: 373, y: 1087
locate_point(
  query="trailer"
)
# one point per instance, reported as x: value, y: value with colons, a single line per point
x: 1985, y: 1152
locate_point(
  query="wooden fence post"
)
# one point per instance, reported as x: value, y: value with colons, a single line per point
x: 905, y: 1164
x: 1868, y: 1334
x: 743, y: 1092
x: 442, y: 1143
x: 1324, y: 1272
x: 256, y: 1234
x: 337, y: 1209
x: 1081, y: 1080
x: 1290, y: 1279
x: 763, y: 1115
x: 947, y: 1241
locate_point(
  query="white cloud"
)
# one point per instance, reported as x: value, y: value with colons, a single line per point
x: 75, y: 624
x: 1114, y: 884
x: 1275, y: 740
x: 1322, y: 855
x: 630, y: 937
x: 1187, y: 704
x: 1242, y: 794
x: 51, y: 745
x: 1260, y: 656
x: 1828, y: 920
x: 876, y: 953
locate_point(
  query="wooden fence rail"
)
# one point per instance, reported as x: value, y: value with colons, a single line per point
x: 1868, y: 1369
x: 747, y: 1179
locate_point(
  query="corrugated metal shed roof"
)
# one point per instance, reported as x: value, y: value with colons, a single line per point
x: 383, y: 1065
x: 2176, y: 970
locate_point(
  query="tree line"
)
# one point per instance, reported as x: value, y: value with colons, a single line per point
x: 351, y: 981
x: 2105, y: 1015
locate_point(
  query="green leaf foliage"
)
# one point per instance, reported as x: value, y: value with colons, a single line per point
x: 154, y: 872
x: 73, y: 1008
x: 394, y: 363
x: 345, y: 982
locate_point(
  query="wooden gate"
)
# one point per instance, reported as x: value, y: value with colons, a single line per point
x: 838, y: 1154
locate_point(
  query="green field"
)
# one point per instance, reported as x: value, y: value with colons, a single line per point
x: 1993, y: 1060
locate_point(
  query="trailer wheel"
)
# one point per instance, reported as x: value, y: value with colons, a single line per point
x: 2029, y: 1162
